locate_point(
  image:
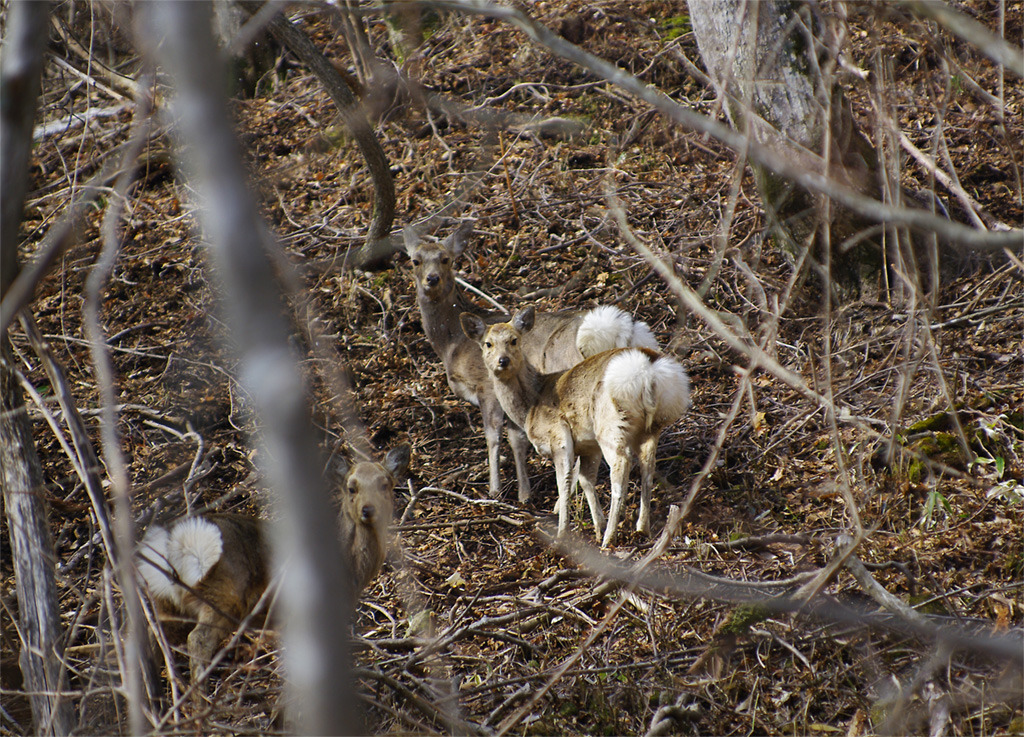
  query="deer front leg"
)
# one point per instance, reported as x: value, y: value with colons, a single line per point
x: 648, y: 451
x: 520, y: 448
x: 562, y: 457
x: 493, y: 419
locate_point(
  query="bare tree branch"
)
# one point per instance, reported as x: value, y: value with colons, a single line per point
x: 23, y: 48
x: 971, y: 31
x: 378, y: 249
x: 758, y: 153
x: 110, y: 438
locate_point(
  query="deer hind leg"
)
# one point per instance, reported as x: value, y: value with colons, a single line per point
x: 588, y: 478
x: 648, y: 451
x: 617, y: 454
x: 573, y: 480
x: 520, y: 449
x: 203, y: 640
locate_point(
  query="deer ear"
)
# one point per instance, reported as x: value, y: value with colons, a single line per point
x: 472, y: 326
x: 457, y: 241
x: 397, y: 460
x: 523, y: 320
x: 411, y: 238
x: 340, y: 467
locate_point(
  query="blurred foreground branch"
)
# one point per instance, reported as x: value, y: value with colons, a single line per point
x: 313, y: 595
x: 971, y: 31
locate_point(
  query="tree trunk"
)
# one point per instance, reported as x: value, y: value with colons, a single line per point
x: 761, y: 58
x: 20, y: 472
x: 32, y: 548
x: 376, y: 253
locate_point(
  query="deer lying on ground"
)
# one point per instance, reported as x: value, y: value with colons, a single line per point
x: 214, y: 568
x: 614, y: 404
x: 559, y: 341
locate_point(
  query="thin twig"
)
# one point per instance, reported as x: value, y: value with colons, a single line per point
x: 84, y: 459
x: 110, y: 440
x: 482, y: 294
x: 667, y: 535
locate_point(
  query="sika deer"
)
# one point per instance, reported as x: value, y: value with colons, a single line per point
x: 367, y: 508
x: 559, y: 341
x: 214, y: 569
x: 613, y: 404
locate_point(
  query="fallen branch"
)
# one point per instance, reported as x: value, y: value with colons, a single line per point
x: 877, y: 592
x: 691, y: 584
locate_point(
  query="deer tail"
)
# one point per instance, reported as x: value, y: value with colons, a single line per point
x: 607, y: 327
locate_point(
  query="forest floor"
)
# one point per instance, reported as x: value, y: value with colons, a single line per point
x: 511, y: 615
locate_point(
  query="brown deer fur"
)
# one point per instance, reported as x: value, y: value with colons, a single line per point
x: 213, y: 569
x: 558, y: 341
x: 614, y: 404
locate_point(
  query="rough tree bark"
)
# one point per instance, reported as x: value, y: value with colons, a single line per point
x: 771, y: 64
x: 33, y: 554
x: 20, y: 471
x: 316, y: 609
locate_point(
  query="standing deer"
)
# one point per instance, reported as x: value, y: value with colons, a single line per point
x: 614, y: 404
x: 214, y: 568
x: 559, y: 341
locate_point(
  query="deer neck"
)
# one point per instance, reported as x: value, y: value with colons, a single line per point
x: 366, y: 552
x: 519, y: 394
x: 441, y: 320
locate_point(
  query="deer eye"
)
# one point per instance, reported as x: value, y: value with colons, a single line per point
x: 515, y: 341
x: 353, y: 488
x: 445, y: 260
x: 415, y: 262
x: 488, y: 344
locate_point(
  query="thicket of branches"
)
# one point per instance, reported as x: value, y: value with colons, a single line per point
x: 885, y: 397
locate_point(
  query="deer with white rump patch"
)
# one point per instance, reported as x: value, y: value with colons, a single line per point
x: 614, y: 404
x: 214, y: 568
x: 558, y: 341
